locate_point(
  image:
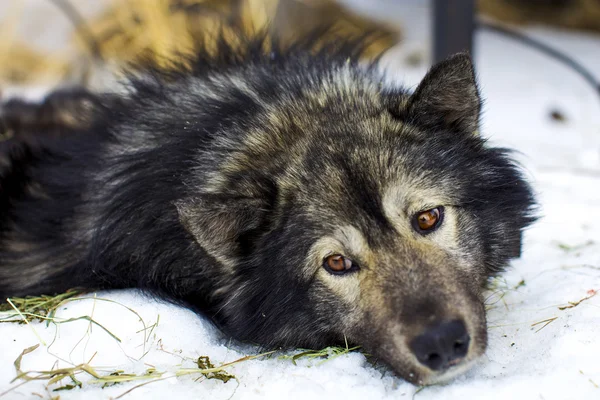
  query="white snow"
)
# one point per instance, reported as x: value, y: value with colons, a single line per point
x: 525, y: 359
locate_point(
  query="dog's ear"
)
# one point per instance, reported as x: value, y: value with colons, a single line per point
x: 447, y: 97
x: 223, y: 226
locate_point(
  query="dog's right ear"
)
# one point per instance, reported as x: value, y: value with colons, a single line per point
x: 223, y: 226
x: 447, y: 97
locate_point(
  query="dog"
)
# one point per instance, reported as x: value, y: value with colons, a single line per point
x: 291, y: 195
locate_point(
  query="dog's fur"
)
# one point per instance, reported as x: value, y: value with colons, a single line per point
x: 225, y: 187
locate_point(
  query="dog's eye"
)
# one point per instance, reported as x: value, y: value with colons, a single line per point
x: 427, y: 221
x: 337, y: 264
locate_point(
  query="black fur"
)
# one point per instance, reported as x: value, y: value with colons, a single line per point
x: 124, y: 198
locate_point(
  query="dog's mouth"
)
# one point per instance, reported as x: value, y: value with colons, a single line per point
x: 455, y: 370
x: 424, y: 376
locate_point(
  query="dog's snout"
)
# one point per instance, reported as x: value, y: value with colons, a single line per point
x: 441, y: 345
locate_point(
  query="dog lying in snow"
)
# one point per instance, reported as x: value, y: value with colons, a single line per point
x: 289, y: 194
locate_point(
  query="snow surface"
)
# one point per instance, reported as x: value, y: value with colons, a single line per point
x: 526, y: 359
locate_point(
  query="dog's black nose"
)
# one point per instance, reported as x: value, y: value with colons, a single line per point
x: 441, y: 344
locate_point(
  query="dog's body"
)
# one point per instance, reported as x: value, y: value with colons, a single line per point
x: 292, y: 197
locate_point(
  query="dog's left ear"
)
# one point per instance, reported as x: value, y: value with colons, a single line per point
x: 447, y: 97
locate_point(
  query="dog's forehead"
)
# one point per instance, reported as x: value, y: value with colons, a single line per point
x: 398, y: 170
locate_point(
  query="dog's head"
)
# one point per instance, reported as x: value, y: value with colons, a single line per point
x: 356, y: 212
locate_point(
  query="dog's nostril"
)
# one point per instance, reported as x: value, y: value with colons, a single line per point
x: 460, y: 347
x: 441, y: 344
x: 434, y: 361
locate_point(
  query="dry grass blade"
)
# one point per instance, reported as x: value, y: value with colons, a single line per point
x: 572, y: 304
x: 55, y: 375
x: 328, y: 353
x: 89, y: 319
x: 76, y: 384
x: 23, y: 318
x: 17, y: 365
x: 140, y: 319
x: 17, y: 362
x: 209, y: 372
x: 51, y: 376
x: 36, y: 306
x: 204, y: 371
x: 43, y: 308
x: 545, y: 323
x: 120, y: 377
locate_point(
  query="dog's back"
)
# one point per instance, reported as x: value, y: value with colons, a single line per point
x: 45, y: 164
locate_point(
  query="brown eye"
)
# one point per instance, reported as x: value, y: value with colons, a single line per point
x: 337, y: 264
x: 427, y: 221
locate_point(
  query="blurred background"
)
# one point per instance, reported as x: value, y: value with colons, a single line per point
x: 538, y: 100
x: 60, y: 39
